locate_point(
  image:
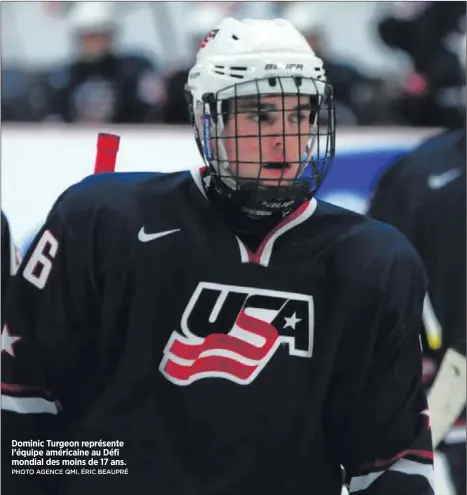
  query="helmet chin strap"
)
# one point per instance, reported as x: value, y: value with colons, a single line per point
x: 259, y: 202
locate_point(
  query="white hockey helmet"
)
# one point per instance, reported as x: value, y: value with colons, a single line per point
x: 92, y: 17
x: 255, y: 58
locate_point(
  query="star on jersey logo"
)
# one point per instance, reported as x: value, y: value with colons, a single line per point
x: 292, y: 321
x: 8, y: 341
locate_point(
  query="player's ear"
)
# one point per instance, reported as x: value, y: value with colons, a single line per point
x: 226, y: 109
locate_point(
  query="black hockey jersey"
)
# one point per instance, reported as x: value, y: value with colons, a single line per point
x: 113, y: 88
x: 6, y: 249
x: 423, y: 195
x: 10, y: 257
x: 141, y: 318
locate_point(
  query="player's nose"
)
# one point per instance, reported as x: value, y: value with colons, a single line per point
x: 283, y: 145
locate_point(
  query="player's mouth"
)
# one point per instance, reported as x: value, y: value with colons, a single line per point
x: 277, y: 166
x: 283, y: 170
x: 274, y: 173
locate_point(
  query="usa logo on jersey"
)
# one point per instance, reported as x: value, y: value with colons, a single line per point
x: 232, y: 332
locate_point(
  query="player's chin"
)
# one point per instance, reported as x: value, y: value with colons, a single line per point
x: 278, y: 174
x: 273, y: 182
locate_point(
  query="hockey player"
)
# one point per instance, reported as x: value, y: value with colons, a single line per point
x: 101, y: 84
x: 237, y: 335
x: 423, y: 195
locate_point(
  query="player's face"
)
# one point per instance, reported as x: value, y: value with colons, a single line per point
x: 270, y: 137
x: 96, y: 44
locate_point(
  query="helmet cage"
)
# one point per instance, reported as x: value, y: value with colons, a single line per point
x: 317, y: 148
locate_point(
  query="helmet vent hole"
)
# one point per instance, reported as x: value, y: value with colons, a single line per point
x: 219, y: 69
x: 234, y: 37
x: 298, y: 81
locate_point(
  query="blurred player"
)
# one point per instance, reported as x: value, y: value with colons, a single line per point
x: 423, y: 195
x: 235, y: 333
x: 101, y: 85
x: 430, y: 35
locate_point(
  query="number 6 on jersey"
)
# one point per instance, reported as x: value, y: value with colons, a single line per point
x: 37, y: 269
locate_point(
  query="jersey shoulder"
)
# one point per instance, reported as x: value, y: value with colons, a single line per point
x: 421, y: 177
x: 5, y: 225
x: 364, y: 249
x: 5, y: 232
x: 120, y: 193
x: 436, y: 155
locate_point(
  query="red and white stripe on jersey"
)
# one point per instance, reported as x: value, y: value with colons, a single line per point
x: 412, y: 462
x: 27, y: 400
x: 263, y: 255
x: 405, y: 466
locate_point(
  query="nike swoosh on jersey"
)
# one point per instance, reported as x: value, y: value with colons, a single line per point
x: 144, y: 237
x: 437, y: 181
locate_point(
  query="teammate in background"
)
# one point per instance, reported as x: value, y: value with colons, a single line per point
x: 236, y: 334
x: 10, y: 258
x: 423, y: 195
x: 100, y: 84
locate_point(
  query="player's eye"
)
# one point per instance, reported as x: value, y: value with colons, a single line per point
x: 298, y: 118
x: 262, y: 117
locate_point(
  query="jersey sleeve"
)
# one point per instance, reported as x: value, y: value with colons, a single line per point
x: 10, y: 256
x: 386, y: 437
x: 390, y: 201
x: 50, y: 326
